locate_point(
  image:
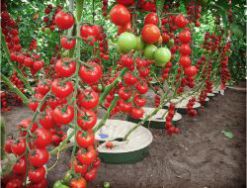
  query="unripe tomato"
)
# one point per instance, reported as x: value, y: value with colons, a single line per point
x: 149, y: 51
x: 162, y: 56
x: 139, y: 43
x: 127, y: 42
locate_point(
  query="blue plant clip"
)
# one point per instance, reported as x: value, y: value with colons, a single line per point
x: 103, y: 136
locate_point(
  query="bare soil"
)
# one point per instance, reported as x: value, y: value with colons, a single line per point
x: 201, y: 156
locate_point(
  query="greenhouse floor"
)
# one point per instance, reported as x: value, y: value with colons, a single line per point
x: 200, y: 157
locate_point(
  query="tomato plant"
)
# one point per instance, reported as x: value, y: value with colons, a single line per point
x: 65, y: 61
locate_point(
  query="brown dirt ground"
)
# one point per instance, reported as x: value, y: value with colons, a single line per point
x: 200, y: 157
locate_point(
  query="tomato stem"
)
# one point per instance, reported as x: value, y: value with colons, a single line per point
x: 107, y: 114
x: 14, y: 89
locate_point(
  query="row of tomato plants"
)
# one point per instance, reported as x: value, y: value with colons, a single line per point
x: 75, y: 89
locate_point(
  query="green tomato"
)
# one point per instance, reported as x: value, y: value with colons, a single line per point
x: 107, y: 185
x: 139, y: 43
x: 170, y: 43
x: 162, y: 56
x: 126, y: 42
x: 149, y: 51
x: 59, y: 184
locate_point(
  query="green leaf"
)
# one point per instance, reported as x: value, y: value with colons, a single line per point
x: 228, y: 134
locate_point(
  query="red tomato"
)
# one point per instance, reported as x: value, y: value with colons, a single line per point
x: 185, y: 49
x: 84, y: 140
x: 86, y: 158
x: 61, y: 117
x: 125, y: 107
x: 25, y: 124
x: 28, y: 61
x: 129, y: 79
x: 190, y: 71
x: 185, y: 36
x: 92, y: 74
x: 86, y: 119
x: 43, y: 138
x: 37, y: 65
x: 78, y: 183
x: 39, y: 157
x: 185, y: 61
x: 43, y: 88
x: 81, y: 169
x: 151, y: 18
x: 14, y: 183
x: 62, y: 91
x: 120, y: 15
x: 122, y: 29
x: 41, y: 184
x: 47, y: 121
x: 165, y: 37
x: 20, y: 166
x: 90, y: 33
x: 20, y: 147
x: 65, y: 67
x: 124, y: 94
x: 126, y: 2
x: 67, y: 43
x: 181, y: 21
x: 64, y: 20
x: 88, y: 99
x: 137, y: 113
x: 7, y: 146
x: 150, y: 33
x: 37, y: 175
x: 144, y: 72
x: 53, y: 103
x: 97, y: 163
x: 139, y: 101
x: 142, y: 88
x: 91, y: 175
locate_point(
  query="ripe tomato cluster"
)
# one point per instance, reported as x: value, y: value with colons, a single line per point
x: 170, y: 128
x: 49, y: 19
x: 95, y: 33
x: 202, y: 97
x: 131, y: 90
x: 31, y: 153
x: 72, y: 89
x: 149, y: 6
x: 224, y: 71
x: 189, y: 107
x: 11, y: 34
x: 194, y: 9
x: 4, y: 102
x: 104, y: 7
x: 19, y: 84
x: 211, y: 42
